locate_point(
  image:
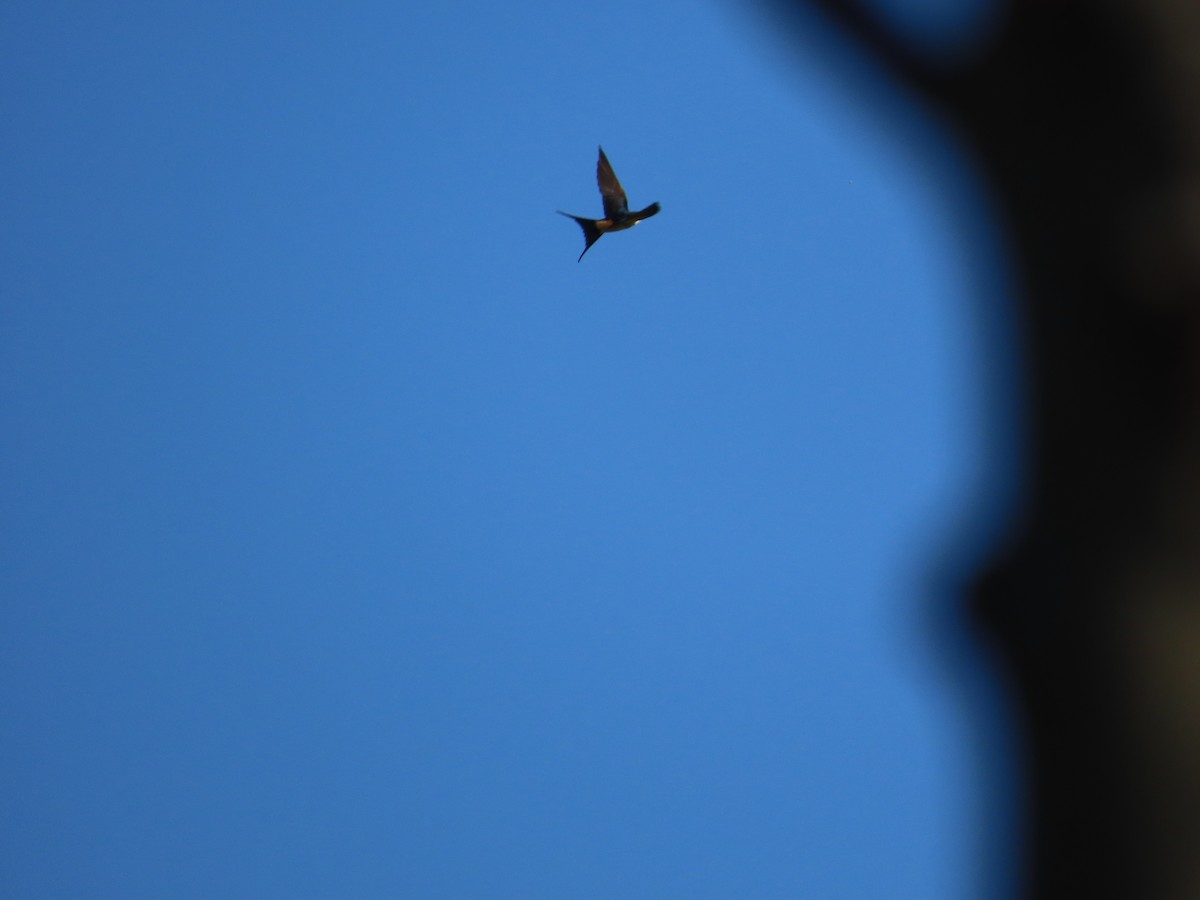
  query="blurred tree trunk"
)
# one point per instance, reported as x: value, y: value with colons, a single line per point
x: 1086, y: 119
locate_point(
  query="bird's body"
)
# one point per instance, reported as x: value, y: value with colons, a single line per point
x: 617, y: 216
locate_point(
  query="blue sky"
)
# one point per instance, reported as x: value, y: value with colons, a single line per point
x: 359, y: 542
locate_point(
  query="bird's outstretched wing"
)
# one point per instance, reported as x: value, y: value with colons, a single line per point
x: 611, y: 192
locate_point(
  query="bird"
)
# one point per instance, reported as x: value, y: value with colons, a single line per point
x: 617, y: 216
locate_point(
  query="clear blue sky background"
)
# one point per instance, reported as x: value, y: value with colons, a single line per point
x: 358, y: 542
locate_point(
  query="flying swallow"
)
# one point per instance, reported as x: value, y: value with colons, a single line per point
x: 617, y: 216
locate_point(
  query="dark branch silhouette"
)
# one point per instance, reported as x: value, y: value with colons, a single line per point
x: 1085, y: 120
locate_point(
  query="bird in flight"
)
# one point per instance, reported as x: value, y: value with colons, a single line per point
x: 617, y: 216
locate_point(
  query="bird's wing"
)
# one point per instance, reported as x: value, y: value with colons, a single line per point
x: 611, y: 192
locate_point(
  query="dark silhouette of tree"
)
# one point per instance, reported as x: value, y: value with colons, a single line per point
x: 1085, y: 120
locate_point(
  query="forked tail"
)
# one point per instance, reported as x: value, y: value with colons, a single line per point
x: 591, y: 232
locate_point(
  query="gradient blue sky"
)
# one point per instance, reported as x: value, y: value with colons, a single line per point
x: 358, y: 542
